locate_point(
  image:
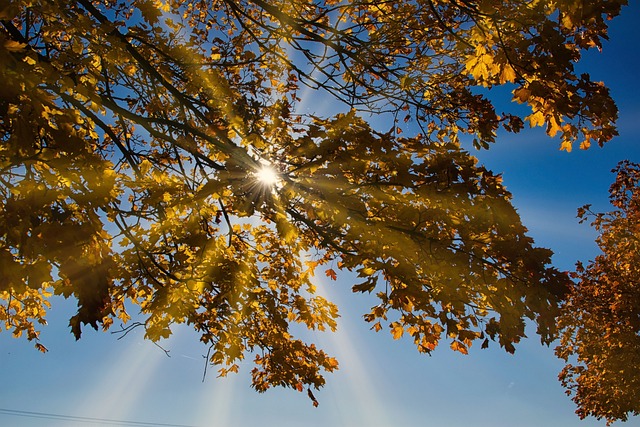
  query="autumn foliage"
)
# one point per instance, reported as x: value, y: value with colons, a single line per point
x: 600, y: 322
x: 133, y: 134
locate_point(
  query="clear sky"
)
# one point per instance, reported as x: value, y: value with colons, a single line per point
x: 381, y: 382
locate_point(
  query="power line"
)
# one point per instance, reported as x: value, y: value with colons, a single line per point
x: 49, y: 416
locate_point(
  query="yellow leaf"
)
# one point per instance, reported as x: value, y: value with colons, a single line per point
x: 479, y: 71
x: 566, y: 146
x: 165, y: 7
x: 367, y: 271
x: 536, y: 119
x: 287, y: 231
x: 144, y: 167
x: 554, y: 127
x: 397, y: 331
x: 508, y: 74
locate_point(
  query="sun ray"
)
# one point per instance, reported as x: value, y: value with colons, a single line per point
x: 346, y: 345
x: 219, y: 402
x: 123, y: 383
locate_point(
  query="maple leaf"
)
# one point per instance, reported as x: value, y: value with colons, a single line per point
x: 330, y: 273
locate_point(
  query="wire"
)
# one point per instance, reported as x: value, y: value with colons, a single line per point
x: 49, y: 416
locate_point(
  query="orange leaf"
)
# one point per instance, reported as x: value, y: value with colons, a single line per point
x: 41, y: 348
x: 458, y: 346
x: 331, y: 274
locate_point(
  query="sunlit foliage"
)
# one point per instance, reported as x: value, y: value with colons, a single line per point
x: 134, y: 132
x: 600, y: 323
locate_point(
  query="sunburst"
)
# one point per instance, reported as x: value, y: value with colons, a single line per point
x: 267, y: 176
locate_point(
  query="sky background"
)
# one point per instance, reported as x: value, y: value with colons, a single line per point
x: 381, y: 382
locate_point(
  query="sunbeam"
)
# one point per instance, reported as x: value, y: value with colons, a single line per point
x: 122, y: 385
x: 367, y: 407
x: 219, y: 403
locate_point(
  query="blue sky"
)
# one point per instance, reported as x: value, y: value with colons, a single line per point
x: 381, y: 382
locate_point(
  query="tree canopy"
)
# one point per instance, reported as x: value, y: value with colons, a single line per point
x: 156, y: 167
x: 600, y: 323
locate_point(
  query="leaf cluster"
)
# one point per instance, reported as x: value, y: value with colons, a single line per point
x: 600, y: 324
x: 132, y: 133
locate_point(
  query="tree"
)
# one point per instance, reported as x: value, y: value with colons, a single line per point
x: 135, y: 135
x: 600, y: 322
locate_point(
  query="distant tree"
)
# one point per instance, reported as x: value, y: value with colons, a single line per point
x: 155, y: 160
x: 600, y: 323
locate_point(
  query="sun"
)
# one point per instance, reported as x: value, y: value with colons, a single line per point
x: 267, y: 176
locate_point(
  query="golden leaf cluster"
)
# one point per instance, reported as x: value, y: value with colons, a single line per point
x: 132, y: 133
